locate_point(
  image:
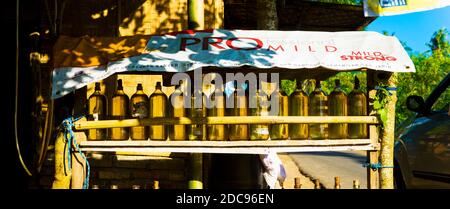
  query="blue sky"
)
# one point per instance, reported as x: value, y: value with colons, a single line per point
x: 415, y: 28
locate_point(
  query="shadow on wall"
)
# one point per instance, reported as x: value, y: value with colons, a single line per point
x: 126, y: 18
x: 114, y: 18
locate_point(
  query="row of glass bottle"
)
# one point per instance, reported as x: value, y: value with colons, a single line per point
x: 297, y: 104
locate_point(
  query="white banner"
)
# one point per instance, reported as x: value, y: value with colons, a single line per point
x: 189, y: 50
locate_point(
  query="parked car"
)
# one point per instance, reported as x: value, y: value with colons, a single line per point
x: 422, y: 148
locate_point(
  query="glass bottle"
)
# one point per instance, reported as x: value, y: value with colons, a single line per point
x: 158, y: 108
x: 318, y: 107
x: 197, y: 132
x: 119, y: 111
x: 97, y: 111
x: 177, y: 132
x: 357, y: 104
x: 337, y: 107
x: 139, y: 109
x: 299, y: 107
x: 259, y: 131
x: 217, y: 132
x: 280, y: 131
x: 240, y: 105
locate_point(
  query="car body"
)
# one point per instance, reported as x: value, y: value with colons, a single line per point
x: 422, y: 147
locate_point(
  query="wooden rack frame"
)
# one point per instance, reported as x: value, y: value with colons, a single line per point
x: 379, y: 145
x: 240, y: 147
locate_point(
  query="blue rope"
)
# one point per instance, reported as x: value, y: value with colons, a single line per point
x: 67, y: 124
x: 375, y: 166
x: 388, y: 88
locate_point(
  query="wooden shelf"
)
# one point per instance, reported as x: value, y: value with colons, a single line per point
x: 84, y: 125
x: 239, y: 147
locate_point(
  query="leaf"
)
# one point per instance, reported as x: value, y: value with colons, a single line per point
x: 383, y: 116
x: 288, y: 86
x: 376, y: 105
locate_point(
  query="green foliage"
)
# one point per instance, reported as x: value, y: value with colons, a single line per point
x: 288, y: 86
x: 439, y: 44
x: 379, y: 103
x: 430, y: 70
x: 349, y: 2
x: 347, y: 80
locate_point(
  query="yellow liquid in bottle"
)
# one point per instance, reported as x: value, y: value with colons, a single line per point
x: 281, y: 131
x: 217, y: 132
x: 318, y: 107
x: 259, y: 131
x: 337, y: 107
x: 139, y: 105
x: 177, y: 132
x: 158, y: 108
x: 119, y: 111
x: 197, y: 132
x: 97, y: 111
x: 357, y: 106
x: 238, y: 132
x: 299, y: 107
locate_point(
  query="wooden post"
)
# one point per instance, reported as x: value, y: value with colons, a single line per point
x: 62, y: 170
x: 387, y: 141
x: 196, y: 14
x: 337, y: 182
x: 372, y: 156
x: 196, y: 21
x: 297, y: 183
x: 356, y: 184
x: 78, y: 163
x: 266, y: 14
x: 196, y: 178
x: 373, y: 181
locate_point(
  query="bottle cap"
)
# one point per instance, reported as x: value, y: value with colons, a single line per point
x: 97, y: 86
x: 119, y: 84
x: 158, y: 84
x: 139, y: 86
x: 337, y: 83
x: 356, y: 82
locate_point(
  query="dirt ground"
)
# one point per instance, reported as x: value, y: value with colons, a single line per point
x: 292, y: 171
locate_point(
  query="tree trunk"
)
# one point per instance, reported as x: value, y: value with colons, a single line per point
x: 266, y: 14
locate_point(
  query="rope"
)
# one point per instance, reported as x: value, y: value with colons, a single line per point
x: 67, y: 124
x: 388, y: 88
x: 375, y: 166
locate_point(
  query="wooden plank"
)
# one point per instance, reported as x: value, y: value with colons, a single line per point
x: 230, y: 150
x: 83, y: 125
x: 244, y: 144
x: 373, y: 176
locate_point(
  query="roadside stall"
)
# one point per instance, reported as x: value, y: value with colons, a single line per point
x: 257, y: 60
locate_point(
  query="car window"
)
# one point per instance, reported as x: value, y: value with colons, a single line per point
x: 443, y: 101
